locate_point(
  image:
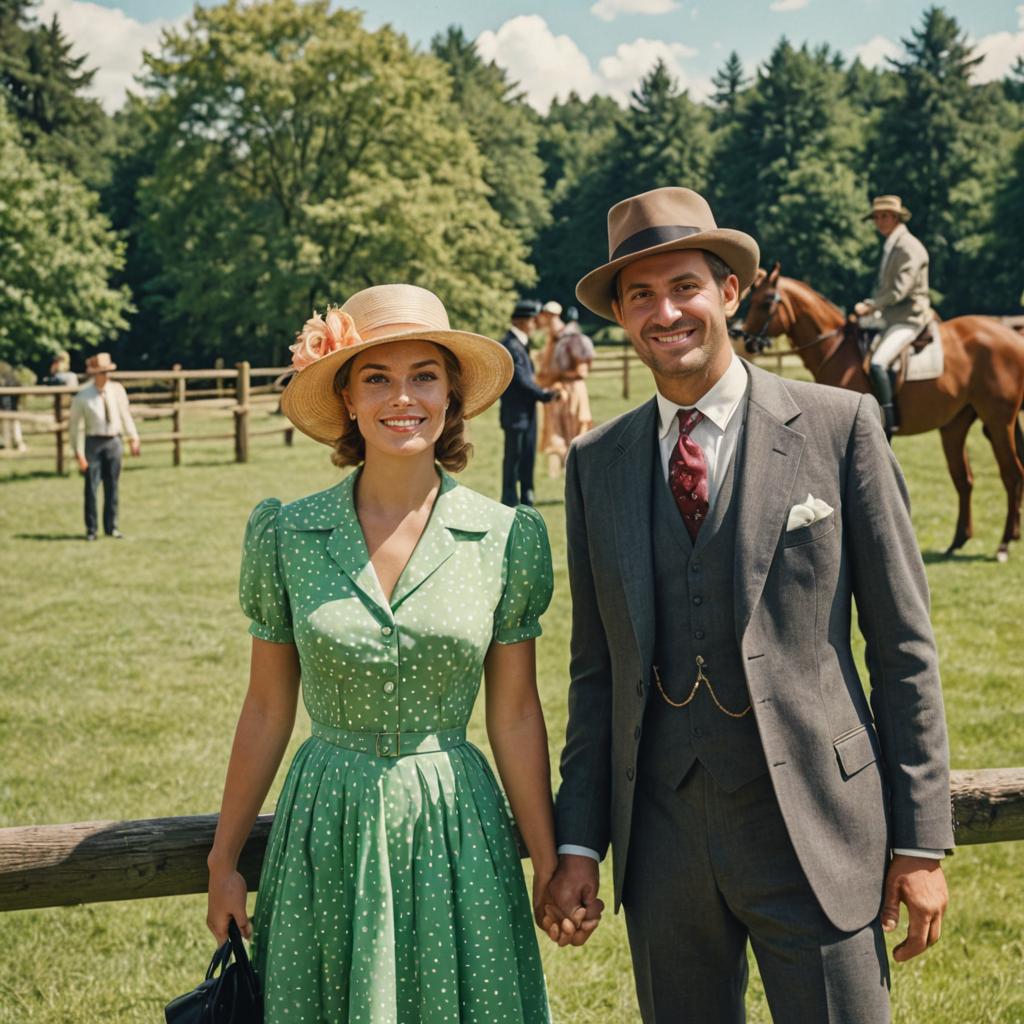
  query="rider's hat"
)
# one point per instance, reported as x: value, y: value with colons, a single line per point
x: 888, y: 204
x: 664, y: 220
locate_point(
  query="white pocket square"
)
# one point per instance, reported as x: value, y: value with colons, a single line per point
x: 807, y: 512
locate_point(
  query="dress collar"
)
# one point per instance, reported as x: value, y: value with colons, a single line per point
x: 717, y: 405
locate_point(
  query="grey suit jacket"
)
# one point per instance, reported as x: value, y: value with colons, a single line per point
x: 901, y: 294
x: 852, y: 778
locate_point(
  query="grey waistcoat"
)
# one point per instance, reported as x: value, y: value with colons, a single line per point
x: 694, y: 616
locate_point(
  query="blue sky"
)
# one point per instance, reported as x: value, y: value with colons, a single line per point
x: 589, y: 45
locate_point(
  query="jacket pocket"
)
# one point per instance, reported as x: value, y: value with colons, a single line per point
x: 855, y: 750
x: 805, y: 534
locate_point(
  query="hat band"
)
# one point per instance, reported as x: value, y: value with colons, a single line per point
x: 650, y: 237
x: 397, y: 328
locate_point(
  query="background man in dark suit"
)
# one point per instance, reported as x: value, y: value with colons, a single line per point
x: 719, y: 737
x: 519, y: 407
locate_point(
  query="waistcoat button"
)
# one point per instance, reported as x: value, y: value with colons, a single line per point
x: 698, y: 599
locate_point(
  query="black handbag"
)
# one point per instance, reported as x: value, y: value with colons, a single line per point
x: 229, y: 994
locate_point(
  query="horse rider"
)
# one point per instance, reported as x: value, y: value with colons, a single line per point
x: 901, y: 297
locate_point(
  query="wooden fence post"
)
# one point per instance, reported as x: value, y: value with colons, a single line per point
x: 242, y: 413
x: 176, y: 416
x: 625, y: 370
x: 218, y: 364
x: 58, y: 418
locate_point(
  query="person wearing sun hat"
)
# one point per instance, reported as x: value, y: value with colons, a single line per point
x: 719, y: 739
x: 391, y: 886
x: 901, y: 298
x: 100, y: 416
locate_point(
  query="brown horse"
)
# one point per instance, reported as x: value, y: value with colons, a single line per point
x: 982, y: 378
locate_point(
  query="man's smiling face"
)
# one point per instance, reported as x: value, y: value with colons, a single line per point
x: 675, y: 315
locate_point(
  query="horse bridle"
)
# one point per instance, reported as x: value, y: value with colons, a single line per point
x: 756, y: 341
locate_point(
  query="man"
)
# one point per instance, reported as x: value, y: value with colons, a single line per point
x: 519, y: 407
x: 99, y: 416
x: 901, y: 297
x: 718, y: 737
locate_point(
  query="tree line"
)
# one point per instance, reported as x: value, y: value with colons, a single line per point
x: 278, y: 156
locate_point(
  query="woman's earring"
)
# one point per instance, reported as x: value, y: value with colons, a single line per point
x: 351, y: 415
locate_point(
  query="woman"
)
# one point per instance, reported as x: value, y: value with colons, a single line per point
x: 569, y: 356
x: 391, y: 888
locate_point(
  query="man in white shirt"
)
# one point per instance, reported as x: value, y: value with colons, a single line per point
x: 719, y: 739
x: 100, y: 414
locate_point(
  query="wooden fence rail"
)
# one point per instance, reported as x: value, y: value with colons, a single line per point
x: 91, y: 862
x: 169, y: 399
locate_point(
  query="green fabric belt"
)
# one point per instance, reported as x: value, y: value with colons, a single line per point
x: 390, y: 744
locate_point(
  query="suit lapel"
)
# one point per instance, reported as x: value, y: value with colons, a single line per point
x: 629, y: 478
x: 769, y: 460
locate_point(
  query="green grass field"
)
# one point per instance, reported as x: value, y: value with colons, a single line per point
x: 124, y: 665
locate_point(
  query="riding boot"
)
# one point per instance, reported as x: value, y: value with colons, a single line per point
x: 881, y: 386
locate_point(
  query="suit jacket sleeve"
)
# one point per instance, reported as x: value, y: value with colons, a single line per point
x: 583, y: 804
x: 891, y: 593
x: 522, y: 378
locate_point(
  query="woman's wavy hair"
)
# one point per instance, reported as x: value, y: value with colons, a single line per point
x: 452, y: 449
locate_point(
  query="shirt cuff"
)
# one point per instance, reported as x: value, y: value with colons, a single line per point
x: 930, y: 854
x: 579, y: 851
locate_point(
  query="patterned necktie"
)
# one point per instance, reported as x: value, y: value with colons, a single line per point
x: 688, y: 474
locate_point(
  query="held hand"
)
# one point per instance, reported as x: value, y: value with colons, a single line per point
x: 226, y: 899
x: 135, y: 446
x: 862, y: 308
x: 572, y: 910
x: 541, y: 879
x: 83, y: 463
x: 920, y: 883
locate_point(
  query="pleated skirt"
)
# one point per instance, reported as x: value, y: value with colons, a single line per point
x: 392, y: 893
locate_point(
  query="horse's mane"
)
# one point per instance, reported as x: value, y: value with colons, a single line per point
x: 809, y: 295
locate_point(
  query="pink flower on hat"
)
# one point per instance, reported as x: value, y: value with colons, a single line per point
x: 320, y: 336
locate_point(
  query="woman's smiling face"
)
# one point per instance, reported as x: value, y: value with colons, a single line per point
x: 399, y: 393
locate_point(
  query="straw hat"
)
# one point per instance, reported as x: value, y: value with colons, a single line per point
x: 99, y: 363
x: 377, y: 316
x: 664, y: 220
x: 888, y: 204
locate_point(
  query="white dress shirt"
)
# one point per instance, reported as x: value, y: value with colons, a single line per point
x: 718, y: 435
x: 93, y: 417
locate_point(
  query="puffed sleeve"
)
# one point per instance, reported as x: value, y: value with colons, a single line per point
x: 528, y: 579
x: 261, y: 589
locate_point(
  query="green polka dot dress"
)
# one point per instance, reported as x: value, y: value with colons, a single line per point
x: 392, y: 891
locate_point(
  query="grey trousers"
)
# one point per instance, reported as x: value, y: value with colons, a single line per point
x: 709, y: 870
x: 104, y: 456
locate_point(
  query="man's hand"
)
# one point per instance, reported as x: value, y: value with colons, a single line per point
x: 572, y: 910
x: 862, y: 308
x: 133, y: 443
x: 83, y: 463
x: 920, y: 883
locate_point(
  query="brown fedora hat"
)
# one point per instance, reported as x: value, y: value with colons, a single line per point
x: 377, y: 316
x: 664, y: 220
x: 99, y: 363
x: 887, y: 204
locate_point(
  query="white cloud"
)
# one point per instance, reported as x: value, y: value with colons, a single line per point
x: 787, y: 5
x: 547, y: 66
x: 111, y: 41
x: 1000, y: 51
x: 609, y: 10
x: 621, y: 71
x: 876, y: 51
x: 1020, y: 17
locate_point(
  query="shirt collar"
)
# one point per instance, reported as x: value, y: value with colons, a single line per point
x: 717, y: 405
x: 521, y: 335
x: 894, y: 236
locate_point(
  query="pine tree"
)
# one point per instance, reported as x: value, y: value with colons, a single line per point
x: 505, y: 129
x: 729, y: 82
x: 44, y: 89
